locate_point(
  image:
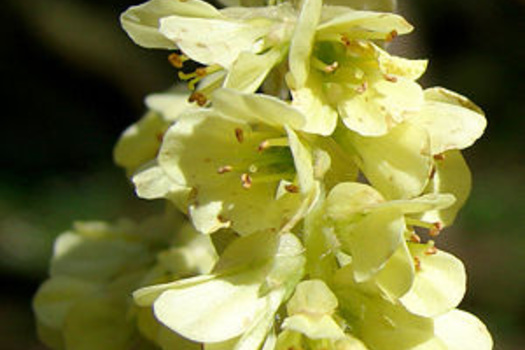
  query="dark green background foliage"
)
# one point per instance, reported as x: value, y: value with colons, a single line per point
x: 72, y: 81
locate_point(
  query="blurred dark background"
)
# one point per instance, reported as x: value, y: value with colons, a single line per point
x: 72, y: 82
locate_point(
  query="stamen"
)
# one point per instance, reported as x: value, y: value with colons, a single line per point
x: 415, y: 238
x: 390, y: 78
x: 345, y: 40
x: 436, y: 229
x: 246, y: 181
x: 292, y: 188
x: 224, y: 169
x: 431, y: 250
x: 263, y: 145
x: 362, y: 88
x: 439, y: 156
x: 417, y: 263
x: 432, y: 173
x: 277, y: 142
x: 239, y: 135
x: 331, y: 67
x: 199, y: 98
x: 320, y: 65
x: 391, y: 36
x: 177, y: 60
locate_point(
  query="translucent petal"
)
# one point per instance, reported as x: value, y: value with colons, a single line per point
x: 318, y: 327
x: 397, y: 276
x: 321, y: 118
x: 439, y: 284
x: 302, y: 42
x: 302, y: 160
x: 249, y: 70
x: 380, y: 107
x: 214, y: 41
x: 56, y: 296
x: 152, y: 182
x: 450, y: 126
x: 397, y: 164
x: 452, y: 175
x: 99, y: 322
x: 142, y: 22
x: 312, y: 297
x: 351, y: 198
x: 372, y: 241
x: 427, y: 202
x: 371, y: 5
x: 460, y: 330
x: 210, y: 312
x: 257, y: 107
x: 170, y: 104
x: 140, y: 142
x: 364, y: 25
x: 399, y: 66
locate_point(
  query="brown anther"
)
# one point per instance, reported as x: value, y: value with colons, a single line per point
x: 224, y: 169
x: 222, y: 219
x: 391, y: 36
x: 417, y: 263
x: 436, y: 230
x: 345, y: 40
x: 199, y: 98
x: 431, y: 250
x: 415, y: 238
x: 176, y: 60
x: 331, y: 67
x: 390, y: 78
x: 263, y: 145
x: 246, y: 181
x: 432, y: 173
x: 201, y: 72
x: 361, y: 89
x: 239, y: 135
x: 292, y: 188
x: 439, y: 156
x: 159, y: 136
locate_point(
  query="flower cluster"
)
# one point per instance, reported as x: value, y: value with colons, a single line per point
x: 306, y: 175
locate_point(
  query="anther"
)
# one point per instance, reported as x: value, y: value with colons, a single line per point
x: 177, y: 60
x: 362, y: 88
x: 224, y: 169
x: 160, y: 136
x: 199, y: 98
x: 390, y: 78
x: 436, y: 229
x: 417, y: 263
x: 439, y: 156
x: 415, y: 238
x: 331, y: 67
x: 292, y: 188
x: 263, y: 145
x: 391, y: 36
x: 345, y: 40
x: 239, y: 135
x: 431, y: 250
x: 201, y: 72
x: 246, y: 181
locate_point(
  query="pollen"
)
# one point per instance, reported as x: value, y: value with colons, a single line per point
x: 417, y: 263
